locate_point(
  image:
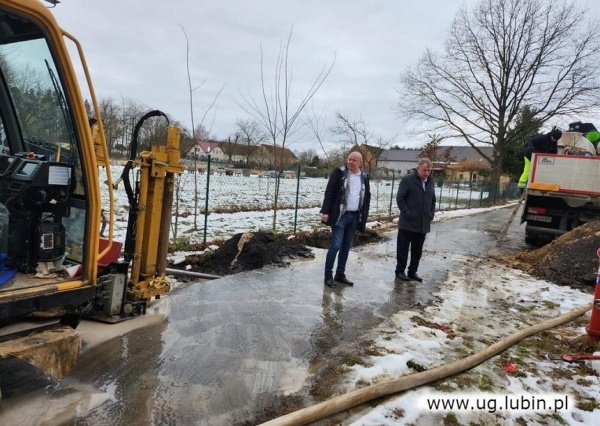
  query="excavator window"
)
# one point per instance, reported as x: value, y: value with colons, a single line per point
x: 40, y: 184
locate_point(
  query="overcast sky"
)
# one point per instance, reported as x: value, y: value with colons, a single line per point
x: 136, y: 49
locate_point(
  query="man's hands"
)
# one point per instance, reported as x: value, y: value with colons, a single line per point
x: 324, y: 217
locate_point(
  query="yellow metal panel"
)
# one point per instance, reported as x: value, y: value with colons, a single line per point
x: 545, y: 186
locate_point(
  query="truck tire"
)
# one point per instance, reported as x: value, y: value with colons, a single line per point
x: 533, y: 241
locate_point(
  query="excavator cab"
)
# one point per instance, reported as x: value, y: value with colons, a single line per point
x: 48, y: 199
x: 51, y: 200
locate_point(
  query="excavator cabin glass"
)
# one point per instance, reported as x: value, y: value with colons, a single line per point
x: 42, y: 198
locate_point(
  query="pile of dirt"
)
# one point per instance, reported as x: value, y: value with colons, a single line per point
x: 254, y: 250
x: 247, y: 251
x: 570, y: 259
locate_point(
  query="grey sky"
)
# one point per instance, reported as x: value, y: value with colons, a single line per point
x: 136, y: 49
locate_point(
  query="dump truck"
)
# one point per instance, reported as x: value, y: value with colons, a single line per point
x: 52, y: 256
x: 563, y: 190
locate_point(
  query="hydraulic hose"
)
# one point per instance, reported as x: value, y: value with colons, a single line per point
x: 131, y: 195
x: 360, y: 396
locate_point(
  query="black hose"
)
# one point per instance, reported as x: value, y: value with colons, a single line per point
x: 132, y: 196
x: 133, y: 152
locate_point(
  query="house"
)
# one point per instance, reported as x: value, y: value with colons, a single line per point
x: 370, y: 156
x: 398, y: 161
x: 202, y: 149
x: 268, y: 155
x: 457, y: 163
x: 239, y: 153
x: 464, y: 163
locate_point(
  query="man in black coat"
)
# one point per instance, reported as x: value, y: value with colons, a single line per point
x: 416, y: 201
x: 345, y: 208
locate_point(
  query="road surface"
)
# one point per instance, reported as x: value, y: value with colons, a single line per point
x: 234, y: 351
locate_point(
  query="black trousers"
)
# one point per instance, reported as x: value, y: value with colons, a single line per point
x: 406, y: 240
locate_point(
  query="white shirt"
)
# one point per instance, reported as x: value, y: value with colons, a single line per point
x: 354, y: 187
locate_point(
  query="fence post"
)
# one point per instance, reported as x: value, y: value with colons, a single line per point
x: 470, y: 191
x: 392, y: 194
x: 297, y: 196
x: 441, y: 192
x: 481, y: 195
x: 456, y: 198
x: 206, y: 202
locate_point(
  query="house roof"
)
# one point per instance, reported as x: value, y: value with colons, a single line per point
x: 285, y: 152
x: 237, y: 148
x: 374, y: 150
x: 206, y: 146
x: 460, y: 153
x: 409, y: 155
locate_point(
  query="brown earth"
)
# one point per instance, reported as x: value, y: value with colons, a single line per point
x: 570, y: 259
x: 253, y: 250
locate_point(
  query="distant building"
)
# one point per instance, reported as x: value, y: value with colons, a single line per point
x: 457, y: 163
x: 399, y: 161
x: 232, y: 153
x: 371, y: 155
x: 202, y: 149
x: 239, y: 153
x: 268, y: 155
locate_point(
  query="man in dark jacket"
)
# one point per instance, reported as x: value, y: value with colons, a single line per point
x: 416, y: 201
x: 546, y: 144
x: 345, y: 209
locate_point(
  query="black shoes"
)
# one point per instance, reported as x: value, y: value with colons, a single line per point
x: 414, y: 276
x: 410, y: 276
x: 402, y: 276
x: 329, y: 281
x: 341, y: 278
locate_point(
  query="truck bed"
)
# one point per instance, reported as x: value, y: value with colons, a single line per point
x: 566, y: 174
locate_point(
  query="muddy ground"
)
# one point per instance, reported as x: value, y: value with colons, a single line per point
x: 569, y: 260
x: 253, y: 250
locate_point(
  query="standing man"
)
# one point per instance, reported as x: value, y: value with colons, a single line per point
x: 547, y: 144
x: 345, y: 209
x: 416, y: 201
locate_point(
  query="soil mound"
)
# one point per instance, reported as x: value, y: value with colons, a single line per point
x: 570, y: 259
x: 247, y: 251
x: 254, y: 250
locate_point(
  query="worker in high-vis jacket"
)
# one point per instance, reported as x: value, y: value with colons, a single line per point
x: 547, y: 144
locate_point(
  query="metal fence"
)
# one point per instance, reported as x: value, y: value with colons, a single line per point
x: 218, y: 203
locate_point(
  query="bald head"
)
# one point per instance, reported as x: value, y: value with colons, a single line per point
x: 354, y: 161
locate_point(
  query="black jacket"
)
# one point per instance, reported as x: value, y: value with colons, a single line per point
x: 334, y: 202
x: 541, y: 144
x: 417, y: 206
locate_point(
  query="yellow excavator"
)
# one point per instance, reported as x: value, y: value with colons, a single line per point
x: 52, y: 256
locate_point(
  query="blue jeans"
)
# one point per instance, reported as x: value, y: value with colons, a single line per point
x: 342, y: 236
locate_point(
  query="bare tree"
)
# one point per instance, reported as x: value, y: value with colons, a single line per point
x: 191, y: 90
x: 353, y: 133
x: 251, y: 134
x: 316, y: 124
x: 505, y: 55
x: 276, y: 112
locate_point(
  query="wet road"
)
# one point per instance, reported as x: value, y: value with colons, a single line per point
x: 224, y: 352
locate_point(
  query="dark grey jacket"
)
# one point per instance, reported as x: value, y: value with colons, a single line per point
x: 417, y: 206
x: 334, y: 201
